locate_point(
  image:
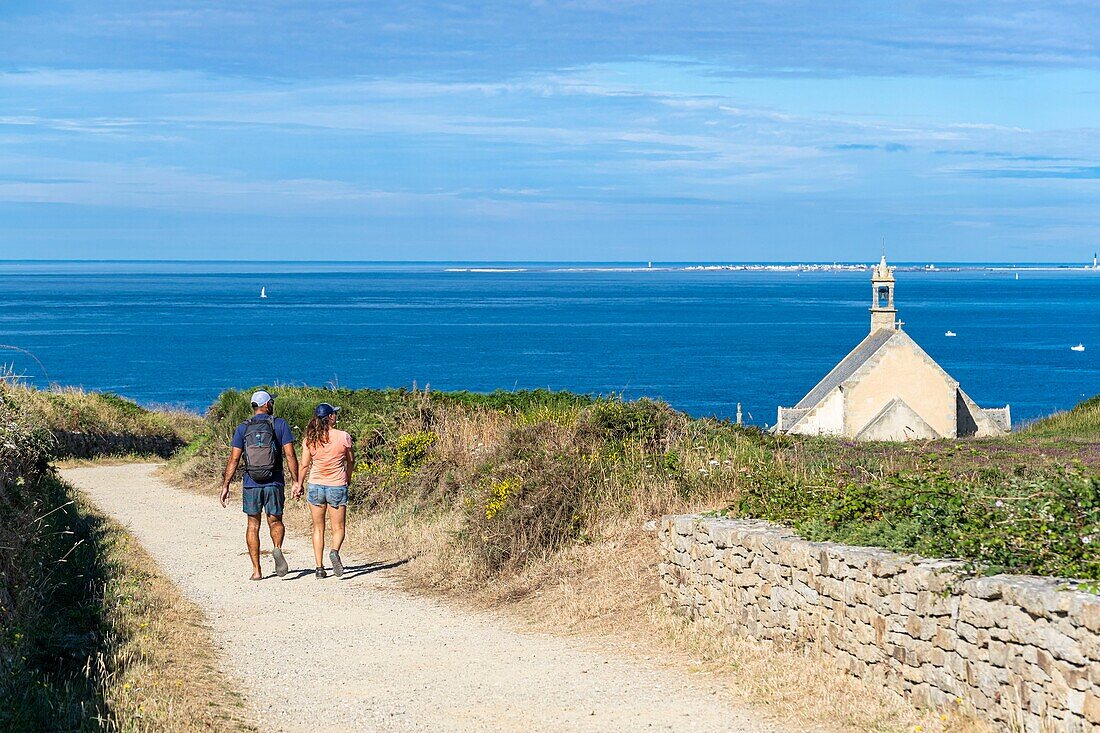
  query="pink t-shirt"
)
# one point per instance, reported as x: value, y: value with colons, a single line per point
x: 329, y: 466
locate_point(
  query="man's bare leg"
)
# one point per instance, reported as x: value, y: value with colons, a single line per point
x: 275, y: 525
x: 252, y: 539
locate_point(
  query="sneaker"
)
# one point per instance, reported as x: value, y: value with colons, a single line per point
x: 280, y: 562
x: 337, y: 563
x: 321, y: 573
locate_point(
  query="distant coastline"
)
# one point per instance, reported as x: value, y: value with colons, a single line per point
x: 513, y: 267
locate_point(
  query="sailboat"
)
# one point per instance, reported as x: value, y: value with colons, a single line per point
x: 1017, y: 276
x: 1078, y: 347
x: 263, y: 292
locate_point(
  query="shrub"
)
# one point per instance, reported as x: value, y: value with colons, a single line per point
x: 126, y: 407
x: 525, y: 510
x: 652, y: 426
x: 1043, y: 526
x: 411, y: 450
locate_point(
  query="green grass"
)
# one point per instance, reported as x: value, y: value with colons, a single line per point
x: 528, y: 474
x: 50, y: 583
x: 54, y: 631
x: 1080, y: 423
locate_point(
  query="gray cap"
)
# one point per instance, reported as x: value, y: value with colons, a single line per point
x: 261, y: 398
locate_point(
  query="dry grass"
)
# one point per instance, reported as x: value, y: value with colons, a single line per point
x: 111, y: 460
x: 161, y: 671
x: 92, y: 636
x: 72, y: 409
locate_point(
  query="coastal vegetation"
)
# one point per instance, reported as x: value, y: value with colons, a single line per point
x: 95, y: 424
x: 1082, y: 423
x: 520, y: 476
x: 92, y: 637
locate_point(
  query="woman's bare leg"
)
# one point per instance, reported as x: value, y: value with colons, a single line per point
x: 318, y: 513
x: 336, y: 516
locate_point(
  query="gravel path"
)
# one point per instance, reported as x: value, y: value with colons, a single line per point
x: 359, y: 654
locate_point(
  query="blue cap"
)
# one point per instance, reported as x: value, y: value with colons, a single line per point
x: 325, y: 409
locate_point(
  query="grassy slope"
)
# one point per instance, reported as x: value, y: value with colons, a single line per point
x: 102, y: 414
x: 91, y: 636
x: 1082, y: 423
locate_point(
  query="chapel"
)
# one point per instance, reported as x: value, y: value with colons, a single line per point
x: 888, y: 388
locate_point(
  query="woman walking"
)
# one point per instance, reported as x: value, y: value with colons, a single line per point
x: 327, y: 461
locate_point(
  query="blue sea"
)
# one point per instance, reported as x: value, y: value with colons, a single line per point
x: 704, y: 340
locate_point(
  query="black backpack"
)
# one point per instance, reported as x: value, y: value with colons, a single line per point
x: 261, y: 450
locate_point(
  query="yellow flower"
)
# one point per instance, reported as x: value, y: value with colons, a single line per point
x: 498, y: 496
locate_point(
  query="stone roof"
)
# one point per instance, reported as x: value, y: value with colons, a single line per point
x: 848, y: 366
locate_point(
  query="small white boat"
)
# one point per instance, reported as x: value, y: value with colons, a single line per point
x: 950, y: 334
x: 1017, y: 276
x: 1078, y: 347
x: 263, y: 292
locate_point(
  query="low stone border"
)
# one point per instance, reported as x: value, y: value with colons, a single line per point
x: 93, y: 445
x: 1023, y: 651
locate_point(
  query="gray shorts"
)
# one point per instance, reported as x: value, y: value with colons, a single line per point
x: 268, y: 498
x: 334, y: 496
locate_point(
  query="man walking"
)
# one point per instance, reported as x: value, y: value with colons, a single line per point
x: 264, y: 441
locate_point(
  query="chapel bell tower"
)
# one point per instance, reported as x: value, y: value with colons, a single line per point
x: 883, y: 312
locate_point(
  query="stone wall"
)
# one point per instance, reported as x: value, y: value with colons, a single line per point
x: 1022, y: 651
x: 92, y: 445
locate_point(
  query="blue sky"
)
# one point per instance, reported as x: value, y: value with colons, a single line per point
x: 587, y: 130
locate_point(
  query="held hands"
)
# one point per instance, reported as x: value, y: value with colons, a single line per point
x: 296, y: 491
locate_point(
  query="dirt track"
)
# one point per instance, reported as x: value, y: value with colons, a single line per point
x: 358, y: 654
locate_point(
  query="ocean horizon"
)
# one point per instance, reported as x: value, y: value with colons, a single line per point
x: 703, y: 336
x: 968, y: 264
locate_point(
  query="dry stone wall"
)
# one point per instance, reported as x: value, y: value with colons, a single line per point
x: 71, y: 444
x: 1023, y: 651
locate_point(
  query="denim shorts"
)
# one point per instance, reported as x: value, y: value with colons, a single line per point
x: 335, y: 496
x: 268, y: 498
